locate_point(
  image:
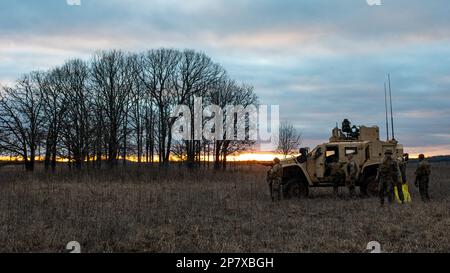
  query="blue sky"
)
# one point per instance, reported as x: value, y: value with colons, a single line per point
x: 320, y: 60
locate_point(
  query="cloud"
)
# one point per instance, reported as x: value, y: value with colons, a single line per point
x: 429, y: 150
x: 321, y: 60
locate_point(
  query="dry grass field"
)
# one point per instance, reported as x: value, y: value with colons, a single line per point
x: 146, y: 210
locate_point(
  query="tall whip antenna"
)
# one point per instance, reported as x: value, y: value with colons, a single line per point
x: 392, y: 116
x: 386, y: 108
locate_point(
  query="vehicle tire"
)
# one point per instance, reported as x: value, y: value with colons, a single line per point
x: 296, y: 189
x: 369, y: 186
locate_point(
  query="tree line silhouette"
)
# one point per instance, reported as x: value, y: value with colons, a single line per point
x: 114, y: 107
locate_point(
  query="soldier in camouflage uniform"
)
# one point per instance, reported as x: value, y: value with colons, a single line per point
x: 387, y: 177
x: 337, y: 175
x: 402, y: 164
x: 401, y: 178
x: 352, y: 175
x: 275, y: 178
x: 398, y: 182
x: 423, y: 172
x: 403, y: 196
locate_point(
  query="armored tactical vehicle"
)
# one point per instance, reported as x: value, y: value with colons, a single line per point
x: 312, y: 168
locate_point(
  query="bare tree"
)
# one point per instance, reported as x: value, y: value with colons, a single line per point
x: 72, y: 81
x: 118, y: 105
x: 229, y: 93
x: 137, y: 111
x: 111, y: 79
x: 289, y: 139
x: 244, y: 97
x: 197, y: 74
x: 149, y: 129
x: 21, y: 119
x: 54, y: 110
x: 159, y: 69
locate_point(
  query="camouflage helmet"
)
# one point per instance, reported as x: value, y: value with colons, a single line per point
x: 421, y: 157
x: 276, y: 160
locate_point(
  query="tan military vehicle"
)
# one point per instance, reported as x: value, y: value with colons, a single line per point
x: 312, y: 168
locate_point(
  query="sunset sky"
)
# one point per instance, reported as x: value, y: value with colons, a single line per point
x: 320, y: 60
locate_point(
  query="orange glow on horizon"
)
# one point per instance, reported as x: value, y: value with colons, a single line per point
x: 256, y: 156
x: 246, y: 156
x: 252, y: 156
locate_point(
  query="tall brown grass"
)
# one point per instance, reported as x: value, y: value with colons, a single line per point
x: 177, y: 210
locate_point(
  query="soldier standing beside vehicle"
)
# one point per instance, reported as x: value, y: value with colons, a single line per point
x: 398, y: 182
x: 352, y: 175
x: 387, y: 176
x: 423, y: 172
x: 337, y: 174
x: 402, y: 186
x: 275, y: 177
x: 402, y: 165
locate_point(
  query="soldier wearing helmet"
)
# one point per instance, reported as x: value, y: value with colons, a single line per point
x: 387, y: 177
x: 275, y: 178
x: 422, y: 173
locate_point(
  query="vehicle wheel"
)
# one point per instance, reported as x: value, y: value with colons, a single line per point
x: 370, y: 186
x: 296, y: 189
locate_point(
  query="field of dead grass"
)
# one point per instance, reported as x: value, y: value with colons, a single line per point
x: 150, y: 210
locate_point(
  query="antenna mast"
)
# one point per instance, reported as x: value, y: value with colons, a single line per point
x: 392, y: 116
x: 386, y: 108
